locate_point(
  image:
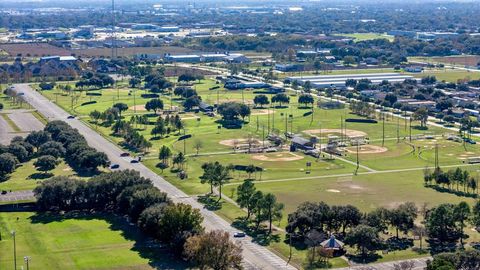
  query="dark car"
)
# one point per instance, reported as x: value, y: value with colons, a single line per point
x: 71, y: 117
x: 134, y: 161
x: 125, y: 154
x: 114, y: 166
x: 239, y: 234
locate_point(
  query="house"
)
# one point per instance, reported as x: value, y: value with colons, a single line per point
x: 204, y: 107
x: 306, y: 54
x: 330, y: 59
x: 369, y: 93
x: 372, y: 61
x: 289, y: 67
x: 459, y: 113
x: 64, y: 59
x: 236, y: 58
x: 414, y: 69
x: 302, y: 143
x: 255, y: 85
x: 234, y: 84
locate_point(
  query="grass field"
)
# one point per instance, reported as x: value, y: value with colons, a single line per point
x: 367, y: 36
x: 78, y: 241
x: 387, y: 179
x: 26, y: 177
x: 455, y: 60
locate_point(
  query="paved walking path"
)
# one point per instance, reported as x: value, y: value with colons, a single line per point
x: 418, y: 264
x: 24, y: 195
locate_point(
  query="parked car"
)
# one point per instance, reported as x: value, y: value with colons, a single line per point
x: 239, y: 235
x: 70, y: 117
x: 115, y: 166
x: 134, y: 161
x: 125, y: 154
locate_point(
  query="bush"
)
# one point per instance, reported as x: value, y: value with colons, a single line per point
x: 88, y: 103
x: 150, y: 96
x: 367, y: 121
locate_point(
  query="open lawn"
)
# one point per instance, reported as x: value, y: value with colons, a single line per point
x: 367, y: 36
x: 78, y: 241
x: 26, y: 177
x: 449, y: 75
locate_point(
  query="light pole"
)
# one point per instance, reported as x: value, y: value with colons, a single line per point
x: 27, y: 260
x: 14, y: 251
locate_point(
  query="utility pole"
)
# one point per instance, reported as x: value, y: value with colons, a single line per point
x: 263, y: 136
x: 14, y: 251
x: 358, y: 159
x: 383, y: 129
x: 320, y: 139
x: 410, y: 127
x: 398, y: 129
x: 437, y: 165
x: 27, y: 260
x: 286, y: 126
x: 268, y: 119
x: 273, y: 119
x: 184, y: 142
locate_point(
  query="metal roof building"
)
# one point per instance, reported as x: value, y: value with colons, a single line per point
x: 338, y: 81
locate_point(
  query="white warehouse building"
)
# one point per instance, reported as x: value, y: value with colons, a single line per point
x: 338, y: 81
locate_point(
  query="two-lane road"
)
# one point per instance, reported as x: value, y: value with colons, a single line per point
x: 255, y: 256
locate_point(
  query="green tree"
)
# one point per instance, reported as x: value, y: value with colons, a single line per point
x: 306, y: 99
x: 214, y: 250
x: 164, y: 154
x: 462, y: 215
x: 245, y: 193
x: 154, y: 105
x: 421, y: 114
x: 121, y: 107
x: 46, y: 163
x: 261, y: 100
x: 273, y: 209
x: 365, y: 238
x: 8, y: 163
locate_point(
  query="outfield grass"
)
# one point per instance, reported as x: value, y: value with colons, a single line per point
x: 78, y: 241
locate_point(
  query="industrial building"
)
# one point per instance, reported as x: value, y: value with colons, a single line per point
x: 338, y: 81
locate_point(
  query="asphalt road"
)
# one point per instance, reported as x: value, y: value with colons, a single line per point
x: 255, y: 256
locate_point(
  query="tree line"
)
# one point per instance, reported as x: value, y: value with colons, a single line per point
x: 178, y: 225
x: 454, y: 180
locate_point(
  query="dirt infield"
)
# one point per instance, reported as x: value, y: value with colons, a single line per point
x: 285, y: 156
x: 138, y: 108
x: 367, y: 149
x: 236, y: 142
x: 262, y: 112
x: 349, y: 132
